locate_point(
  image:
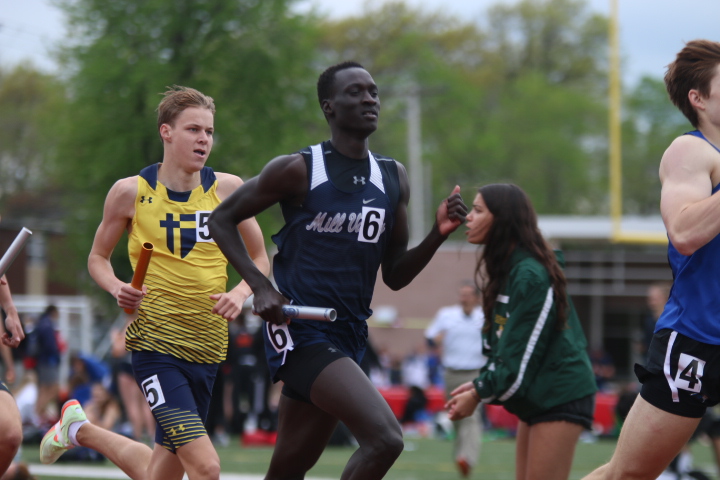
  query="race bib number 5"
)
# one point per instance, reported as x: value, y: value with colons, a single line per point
x: 153, y: 392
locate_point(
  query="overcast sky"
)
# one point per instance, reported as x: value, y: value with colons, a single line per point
x: 651, y: 31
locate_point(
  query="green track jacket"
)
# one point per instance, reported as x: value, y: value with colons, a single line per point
x: 532, y: 366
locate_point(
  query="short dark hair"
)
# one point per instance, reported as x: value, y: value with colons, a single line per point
x: 326, y: 82
x: 694, y: 67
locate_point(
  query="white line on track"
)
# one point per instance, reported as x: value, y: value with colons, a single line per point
x: 111, y: 473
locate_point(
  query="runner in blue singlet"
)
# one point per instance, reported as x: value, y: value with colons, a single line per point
x: 681, y: 378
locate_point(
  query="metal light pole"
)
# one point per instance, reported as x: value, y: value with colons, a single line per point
x: 414, y: 145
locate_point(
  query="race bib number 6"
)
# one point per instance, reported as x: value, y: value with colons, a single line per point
x: 280, y: 337
x: 373, y: 220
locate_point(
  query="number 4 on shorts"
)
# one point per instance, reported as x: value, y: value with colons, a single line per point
x: 689, y: 373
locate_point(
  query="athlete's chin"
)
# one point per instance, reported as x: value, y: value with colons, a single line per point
x: 473, y: 239
x: 367, y: 130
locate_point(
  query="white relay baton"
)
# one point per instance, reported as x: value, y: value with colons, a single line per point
x: 307, y: 313
x: 15, y: 247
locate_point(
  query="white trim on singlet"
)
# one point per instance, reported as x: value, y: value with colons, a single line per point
x: 666, y: 367
x: 530, y: 347
x: 319, y: 174
x: 376, y: 174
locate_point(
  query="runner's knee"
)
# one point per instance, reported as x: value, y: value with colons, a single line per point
x: 386, y: 446
x: 10, y: 438
x: 208, y: 469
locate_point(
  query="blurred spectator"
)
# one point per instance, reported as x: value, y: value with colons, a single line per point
x: 218, y: 416
x: 415, y: 372
x: 434, y: 361
x: 456, y: 331
x: 85, y: 371
x: 244, y: 370
x: 20, y: 356
x: 371, y: 361
x: 415, y: 406
x: 626, y: 397
x: 415, y: 376
x: 267, y: 393
x: 102, y: 408
x: 395, y: 373
x: 603, y: 368
x: 657, y: 296
x: 44, y: 344
x: 133, y: 402
x: 379, y: 373
x: 25, y: 394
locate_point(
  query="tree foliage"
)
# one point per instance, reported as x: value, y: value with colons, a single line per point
x: 519, y: 97
x: 253, y: 58
x: 651, y: 121
x: 521, y: 101
x: 29, y: 104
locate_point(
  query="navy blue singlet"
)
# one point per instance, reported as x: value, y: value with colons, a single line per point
x: 329, y: 253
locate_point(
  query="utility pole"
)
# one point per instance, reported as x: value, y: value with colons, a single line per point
x: 414, y: 146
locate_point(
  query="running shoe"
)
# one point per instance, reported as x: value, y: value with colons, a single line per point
x: 57, y: 441
x: 463, y: 466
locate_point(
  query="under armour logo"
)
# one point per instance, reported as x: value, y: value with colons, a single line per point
x: 332, y: 350
x: 357, y: 180
x: 142, y: 199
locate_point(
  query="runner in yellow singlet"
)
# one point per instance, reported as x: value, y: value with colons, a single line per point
x: 180, y: 335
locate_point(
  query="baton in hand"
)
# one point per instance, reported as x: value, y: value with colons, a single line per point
x: 14, y: 249
x: 141, y: 269
x: 308, y: 313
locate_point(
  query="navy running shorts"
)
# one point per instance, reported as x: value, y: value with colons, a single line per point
x: 178, y: 393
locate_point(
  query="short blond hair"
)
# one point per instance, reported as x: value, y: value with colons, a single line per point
x: 176, y: 99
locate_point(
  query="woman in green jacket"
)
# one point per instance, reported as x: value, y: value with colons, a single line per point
x: 538, y: 367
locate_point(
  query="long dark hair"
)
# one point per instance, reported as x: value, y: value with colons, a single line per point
x: 514, y: 226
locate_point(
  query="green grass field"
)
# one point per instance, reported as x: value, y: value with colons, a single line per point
x: 423, y: 459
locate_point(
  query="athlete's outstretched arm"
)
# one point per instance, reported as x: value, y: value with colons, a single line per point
x: 229, y: 304
x: 284, y: 179
x: 13, y: 333
x: 400, y: 265
x: 117, y: 215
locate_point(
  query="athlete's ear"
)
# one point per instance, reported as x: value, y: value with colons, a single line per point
x: 696, y: 100
x: 326, y: 107
x: 165, y: 132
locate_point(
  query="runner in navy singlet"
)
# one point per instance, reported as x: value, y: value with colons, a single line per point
x: 345, y: 212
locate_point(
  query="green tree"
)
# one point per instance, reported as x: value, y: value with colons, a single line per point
x: 253, y: 58
x: 522, y: 99
x: 29, y: 104
x: 650, y: 123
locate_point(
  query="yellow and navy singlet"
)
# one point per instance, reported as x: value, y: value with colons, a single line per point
x: 186, y: 267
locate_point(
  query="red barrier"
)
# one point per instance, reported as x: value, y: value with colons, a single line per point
x: 397, y: 397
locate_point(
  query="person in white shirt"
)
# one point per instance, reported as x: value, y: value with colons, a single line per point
x: 457, y: 329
